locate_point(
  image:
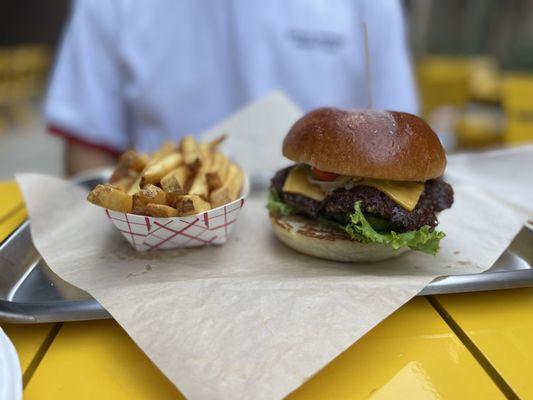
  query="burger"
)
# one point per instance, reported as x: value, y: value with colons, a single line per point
x: 366, y: 186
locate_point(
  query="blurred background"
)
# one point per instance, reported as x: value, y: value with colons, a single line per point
x: 473, y: 61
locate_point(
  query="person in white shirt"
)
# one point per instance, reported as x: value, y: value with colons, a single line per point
x: 132, y: 74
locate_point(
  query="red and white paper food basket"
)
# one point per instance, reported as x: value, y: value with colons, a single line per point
x: 151, y: 233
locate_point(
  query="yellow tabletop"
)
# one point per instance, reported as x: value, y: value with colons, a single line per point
x: 12, y: 211
x: 412, y: 354
x: 31, y: 343
x: 499, y: 325
x: 97, y: 360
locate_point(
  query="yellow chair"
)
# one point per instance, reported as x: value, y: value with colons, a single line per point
x: 454, y: 81
x: 517, y: 101
x: 485, y: 80
x: 23, y: 71
x: 443, y: 81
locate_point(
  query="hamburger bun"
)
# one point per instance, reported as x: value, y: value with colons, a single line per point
x: 367, y: 143
x: 318, y: 240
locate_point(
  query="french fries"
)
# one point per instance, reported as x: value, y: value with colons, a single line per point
x: 217, y: 171
x: 128, y: 167
x: 133, y: 160
x: 166, y: 149
x: 176, y: 180
x: 216, y: 142
x: 152, y: 194
x: 199, y: 184
x: 191, y: 204
x: 153, y: 173
x: 161, y: 210
x: 138, y: 206
x: 206, y: 155
x: 230, y: 188
x: 124, y: 182
x: 190, y: 151
x: 110, y: 197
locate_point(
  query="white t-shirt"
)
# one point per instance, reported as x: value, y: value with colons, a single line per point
x: 136, y: 73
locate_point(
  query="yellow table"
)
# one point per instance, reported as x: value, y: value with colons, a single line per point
x: 31, y: 343
x: 498, y: 326
x: 12, y: 211
x: 460, y: 346
x: 412, y: 354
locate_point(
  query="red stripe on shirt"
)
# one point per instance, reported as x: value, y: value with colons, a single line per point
x: 73, y: 138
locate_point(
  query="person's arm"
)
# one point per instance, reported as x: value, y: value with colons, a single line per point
x: 85, y: 103
x: 79, y: 158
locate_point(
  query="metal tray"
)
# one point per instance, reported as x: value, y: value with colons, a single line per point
x: 30, y: 292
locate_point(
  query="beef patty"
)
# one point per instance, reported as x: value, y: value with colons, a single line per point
x: 437, y: 196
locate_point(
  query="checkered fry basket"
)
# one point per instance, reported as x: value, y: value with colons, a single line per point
x: 151, y: 233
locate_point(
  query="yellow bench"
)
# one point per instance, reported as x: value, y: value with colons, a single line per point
x: 517, y: 99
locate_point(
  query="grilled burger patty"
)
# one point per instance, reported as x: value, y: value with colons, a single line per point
x: 437, y: 196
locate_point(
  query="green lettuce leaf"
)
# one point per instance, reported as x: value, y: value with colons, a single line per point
x: 368, y: 229
x: 276, y: 206
x: 422, y: 239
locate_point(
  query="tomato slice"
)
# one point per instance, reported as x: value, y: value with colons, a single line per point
x: 324, y: 175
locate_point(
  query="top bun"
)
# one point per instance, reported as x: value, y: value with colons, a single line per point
x: 367, y: 143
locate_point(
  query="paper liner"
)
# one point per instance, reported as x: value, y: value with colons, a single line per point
x: 152, y: 233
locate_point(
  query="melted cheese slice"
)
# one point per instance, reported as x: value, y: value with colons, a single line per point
x: 297, y: 183
x: 405, y: 194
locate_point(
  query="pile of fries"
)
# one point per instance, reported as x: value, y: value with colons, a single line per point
x: 176, y: 180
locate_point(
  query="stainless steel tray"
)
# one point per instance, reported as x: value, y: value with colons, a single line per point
x: 30, y: 292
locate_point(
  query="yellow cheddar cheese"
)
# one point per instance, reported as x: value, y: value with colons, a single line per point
x: 405, y: 194
x: 297, y: 183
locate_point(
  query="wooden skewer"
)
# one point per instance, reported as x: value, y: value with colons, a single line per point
x: 367, y: 68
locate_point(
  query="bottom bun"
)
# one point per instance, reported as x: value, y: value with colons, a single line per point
x: 319, y: 240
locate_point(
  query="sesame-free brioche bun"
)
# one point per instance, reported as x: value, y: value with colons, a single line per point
x: 367, y: 143
x: 318, y: 240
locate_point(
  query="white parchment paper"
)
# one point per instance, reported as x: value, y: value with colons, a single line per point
x: 256, y: 133
x: 506, y: 174
x: 251, y: 319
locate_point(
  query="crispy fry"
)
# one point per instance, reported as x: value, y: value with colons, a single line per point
x: 189, y: 149
x: 135, y: 186
x: 119, y: 173
x: 125, y: 182
x: 133, y: 160
x: 191, y: 204
x: 213, y: 144
x: 138, y: 206
x: 199, y: 184
x: 161, y: 210
x: 206, y: 155
x: 165, y: 149
x: 108, y: 196
x: 214, y: 180
x: 129, y: 165
x: 159, y: 169
x: 217, y: 172
x: 176, y: 181
x: 122, y: 171
x: 230, y: 189
x: 152, y: 194
x: 220, y: 162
